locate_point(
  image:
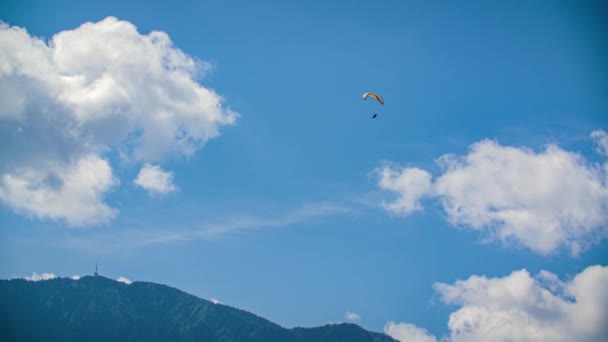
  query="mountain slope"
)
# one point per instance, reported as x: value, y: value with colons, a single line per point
x: 338, y: 332
x: 101, y: 309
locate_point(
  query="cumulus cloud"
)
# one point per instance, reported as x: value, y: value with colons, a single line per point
x: 215, y: 301
x: 410, y: 184
x: 75, y: 277
x: 100, y: 87
x: 72, y: 192
x: 406, y: 332
x: 352, y: 317
x: 521, y: 307
x: 514, y: 194
x: 155, y: 180
x: 122, y: 279
x: 38, y: 277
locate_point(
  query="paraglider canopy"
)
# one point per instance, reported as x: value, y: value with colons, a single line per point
x: 374, y: 95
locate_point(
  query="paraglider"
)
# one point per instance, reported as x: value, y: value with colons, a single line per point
x: 375, y: 96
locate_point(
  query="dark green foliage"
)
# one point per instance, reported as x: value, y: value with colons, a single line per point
x: 338, y: 332
x: 101, y: 309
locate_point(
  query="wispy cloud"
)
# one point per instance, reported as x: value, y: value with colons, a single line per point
x: 126, y: 239
x: 249, y: 222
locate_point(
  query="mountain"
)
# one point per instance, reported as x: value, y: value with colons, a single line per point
x: 96, y: 308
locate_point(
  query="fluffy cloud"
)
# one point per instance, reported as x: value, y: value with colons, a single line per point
x: 72, y: 192
x: 520, y: 307
x: 124, y: 280
x: 38, y: 277
x: 100, y: 87
x: 352, y: 317
x: 514, y: 194
x: 155, y: 180
x: 215, y: 301
x: 410, y: 184
x: 406, y: 332
x: 75, y: 277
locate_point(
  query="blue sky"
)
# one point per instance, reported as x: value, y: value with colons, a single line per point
x: 287, y: 212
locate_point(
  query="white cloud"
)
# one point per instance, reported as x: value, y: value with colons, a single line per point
x: 352, y: 317
x: 406, y: 332
x: 601, y: 139
x: 410, y: 184
x: 38, y: 277
x: 102, y: 86
x: 124, y: 280
x: 75, y: 277
x: 155, y: 180
x: 519, y: 307
x: 215, y: 301
x: 72, y: 192
x: 514, y: 194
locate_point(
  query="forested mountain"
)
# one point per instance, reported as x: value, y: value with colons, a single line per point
x: 96, y: 308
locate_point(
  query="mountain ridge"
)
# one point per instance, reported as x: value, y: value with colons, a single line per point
x: 97, y: 308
